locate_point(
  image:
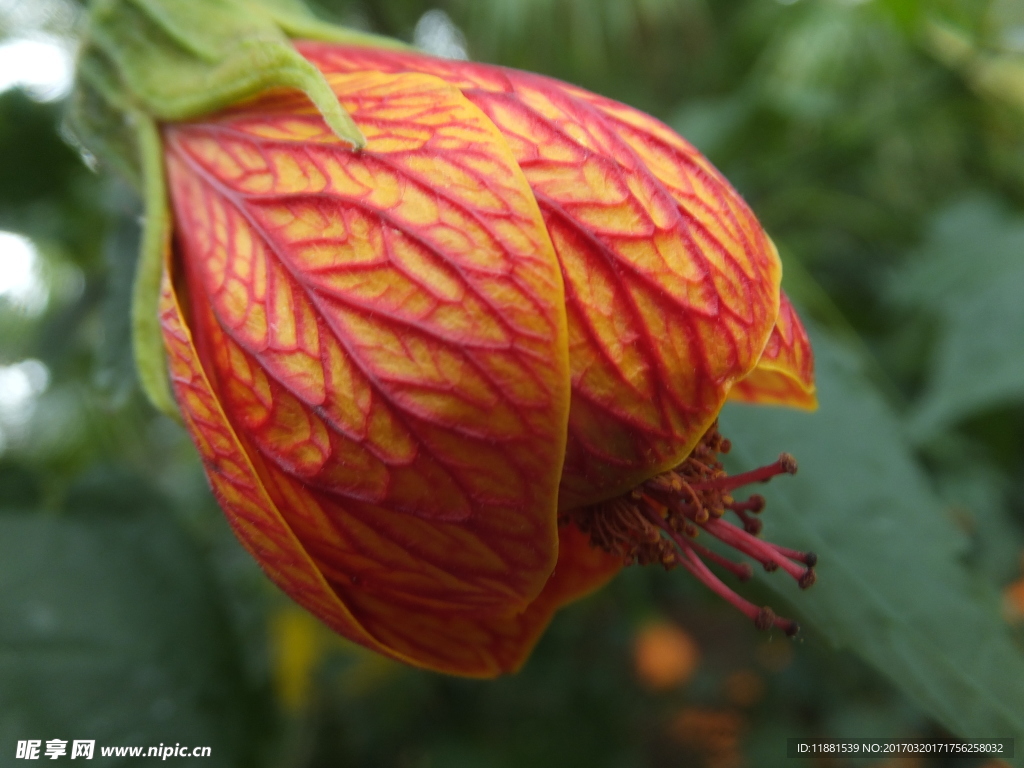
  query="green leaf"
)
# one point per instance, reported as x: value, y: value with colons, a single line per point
x: 978, y: 363
x: 977, y: 494
x: 891, y: 585
x: 110, y: 629
x: 970, y: 244
x: 968, y: 277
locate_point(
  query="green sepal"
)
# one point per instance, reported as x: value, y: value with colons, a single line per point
x: 178, y: 60
x: 147, y: 337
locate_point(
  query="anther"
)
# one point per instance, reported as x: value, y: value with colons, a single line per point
x: 765, y: 619
x: 788, y: 463
x: 807, y: 579
x: 751, y: 525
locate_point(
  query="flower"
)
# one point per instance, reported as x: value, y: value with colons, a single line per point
x: 429, y: 378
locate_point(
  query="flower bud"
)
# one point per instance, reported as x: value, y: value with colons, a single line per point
x: 430, y: 371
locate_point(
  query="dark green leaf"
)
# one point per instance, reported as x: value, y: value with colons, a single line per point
x: 968, y: 277
x: 891, y: 584
x: 111, y: 629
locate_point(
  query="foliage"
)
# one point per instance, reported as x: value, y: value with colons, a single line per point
x: 882, y: 145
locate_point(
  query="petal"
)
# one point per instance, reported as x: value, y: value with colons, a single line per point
x: 453, y: 642
x: 386, y: 333
x: 582, y: 568
x: 243, y: 498
x: 785, y: 373
x: 671, y: 285
x: 486, y: 647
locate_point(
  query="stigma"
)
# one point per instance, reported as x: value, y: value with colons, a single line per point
x: 661, y: 520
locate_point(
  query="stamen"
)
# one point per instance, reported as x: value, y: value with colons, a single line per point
x: 785, y: 465
x: 763, y: 618
x: 764, y: 553
x: 658, y: 521
x: 742, y: 571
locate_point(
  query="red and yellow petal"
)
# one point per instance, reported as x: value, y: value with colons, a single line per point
x: 463, y: 643
x: 386, y: 333
x: 479, y: 646
x: 253, y: 516
x: 672, y: 287
x: 785, y: 373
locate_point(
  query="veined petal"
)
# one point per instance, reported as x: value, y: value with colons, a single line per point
x: 672, y: 287
x: 785, y: 373
x: 459, y: 643
x: 479, y: 646
x: 251, y: 513
x: 386, y: 332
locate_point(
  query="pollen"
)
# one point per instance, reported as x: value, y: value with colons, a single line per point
x: 660, y: 521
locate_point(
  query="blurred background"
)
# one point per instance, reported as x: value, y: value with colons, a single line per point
x: 881, y: 143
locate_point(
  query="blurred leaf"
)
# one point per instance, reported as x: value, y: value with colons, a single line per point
x: 116, y: 364
x: 107, y: 492
x: 995, y: 75
x: 968, y: 276
x: 970, y: 244
x: 594, y: 28
x: 978, y: 363
x: 708, y: 123
x: 110, y: 630
x: 891, y: 586
x: 624, y: 48
x: 976, y: 493
x: 19, y: 487
x: 26, y: 133
x: 809, y: 67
